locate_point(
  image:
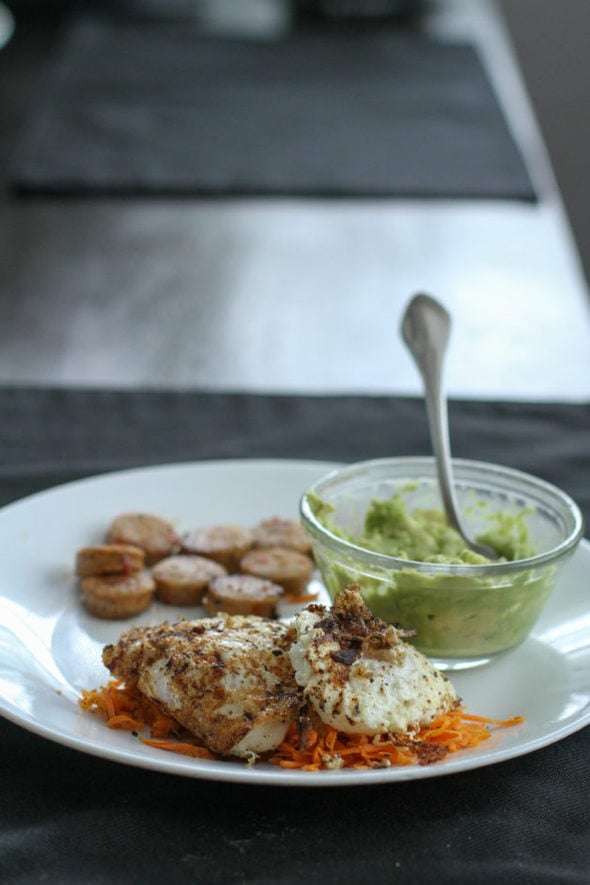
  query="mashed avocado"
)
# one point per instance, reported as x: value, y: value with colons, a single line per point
x: 458, y: 615
x: 426, y: 536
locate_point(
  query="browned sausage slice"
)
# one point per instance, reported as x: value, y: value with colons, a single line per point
x: 279, y: 532
x: 118, y: 596
x: 182, y: 580
x: 152, y: 534
x: 289, y: 568
x: 226, y: 544
x: 109, y: 559
x: 243, y: 595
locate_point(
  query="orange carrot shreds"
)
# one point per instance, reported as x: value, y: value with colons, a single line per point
x: 306, y: 747
x: 504, y: 723
x: 185, y: 748
x: 448, y: 733
x: 307, y: 597
x: 332, y: 750
x: 126, y: 708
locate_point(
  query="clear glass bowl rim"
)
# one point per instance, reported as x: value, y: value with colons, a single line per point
x: 559, y: 500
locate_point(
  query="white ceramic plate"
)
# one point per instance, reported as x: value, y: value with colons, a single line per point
x: 50, y: 648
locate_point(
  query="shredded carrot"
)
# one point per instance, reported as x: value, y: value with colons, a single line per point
x: 127, y: 709
x: 124, y: 707
x: 448, y: 733
x: 185, y: 748
x: 307, y: 597
x: 505, y: 723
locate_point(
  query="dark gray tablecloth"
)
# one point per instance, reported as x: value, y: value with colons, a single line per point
x: 159, y: 108
x: 68, y: 818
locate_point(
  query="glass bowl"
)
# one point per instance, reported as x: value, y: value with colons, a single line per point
x: 463, y: 613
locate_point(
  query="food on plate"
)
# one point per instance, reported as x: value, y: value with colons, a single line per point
x: 415, y: 571
x: 227, y: 680
x: 280, y: 532
x: 289, y: 568
x: 424, y: 534
x: 109, y: 559
x: 183, y: 580
x: 118, y: 596
x: 226, y: 544
x: 338, y: 688
x: 360, y: 675
x: 154, y: 535
x: 243, y: 595
x: 183, y: 568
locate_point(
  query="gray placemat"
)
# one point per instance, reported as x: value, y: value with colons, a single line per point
x: 145, y: 108
x: 67, y: 817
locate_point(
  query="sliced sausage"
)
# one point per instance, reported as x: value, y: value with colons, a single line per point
x: 182, y: 580
x: 226, y: 544
x: 154, y: 535
x: 109, y: 559
x: 118, y: 596
x: 289, y: 568
x: 279, y: 532
x: 243, y: 595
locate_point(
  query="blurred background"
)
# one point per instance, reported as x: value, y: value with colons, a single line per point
x: 271, y: 288
x: 550, y: 41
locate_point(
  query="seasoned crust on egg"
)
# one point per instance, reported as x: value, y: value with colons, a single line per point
x: 228, y: 680
x: 359, y: 674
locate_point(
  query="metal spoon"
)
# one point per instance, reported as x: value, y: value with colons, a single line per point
x: 425, y: 330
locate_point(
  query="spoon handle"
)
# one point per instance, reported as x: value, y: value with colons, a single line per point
x: 425, y: 329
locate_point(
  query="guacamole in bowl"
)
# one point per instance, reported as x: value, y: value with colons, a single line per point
x: 380, y: 524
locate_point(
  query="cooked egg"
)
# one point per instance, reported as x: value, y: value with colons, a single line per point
x: 360, y: 675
